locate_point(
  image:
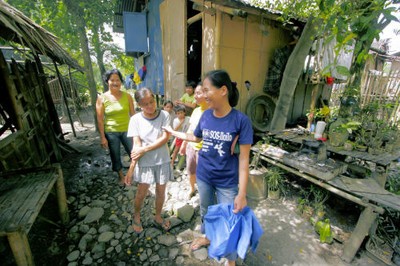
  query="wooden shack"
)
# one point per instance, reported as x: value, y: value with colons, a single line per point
x: 30, y: 131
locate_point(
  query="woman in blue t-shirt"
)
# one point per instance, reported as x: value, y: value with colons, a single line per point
x: 222, y: 173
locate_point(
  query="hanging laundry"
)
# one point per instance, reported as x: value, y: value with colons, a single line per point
x: 142, y: 72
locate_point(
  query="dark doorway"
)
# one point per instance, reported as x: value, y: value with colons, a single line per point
x: 194, y: 45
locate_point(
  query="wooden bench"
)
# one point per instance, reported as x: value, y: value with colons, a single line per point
x: 22, y: 195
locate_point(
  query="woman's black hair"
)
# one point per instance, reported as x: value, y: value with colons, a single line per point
x: 141, y: 93
x: 108, y: 74
x: 219, y: 78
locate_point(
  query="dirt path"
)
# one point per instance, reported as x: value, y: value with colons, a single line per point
x: 289, y: 238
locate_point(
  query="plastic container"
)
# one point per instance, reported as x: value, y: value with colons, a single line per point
x: 319, y: 129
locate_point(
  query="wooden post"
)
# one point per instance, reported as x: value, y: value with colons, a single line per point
x: 61, y: 196
x: 217, y: 35
x: 364, y: 224
x: 65, y: 98
x: 19, y: 244
x: 314, y: 95
x: 73, y: 91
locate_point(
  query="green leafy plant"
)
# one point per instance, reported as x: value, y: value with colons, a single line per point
x: 319, y: 197
x: 274, y: 178
x: 393, y: 184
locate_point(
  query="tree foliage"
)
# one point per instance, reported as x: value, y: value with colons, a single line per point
x: 355, y: 23
x: 84, y: 30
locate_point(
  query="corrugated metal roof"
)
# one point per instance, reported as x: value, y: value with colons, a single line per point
x: 140, y: 5
x: 127, y: 6
x: 245, y: 3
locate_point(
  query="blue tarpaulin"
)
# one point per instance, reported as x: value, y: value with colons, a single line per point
x: 231, y: 233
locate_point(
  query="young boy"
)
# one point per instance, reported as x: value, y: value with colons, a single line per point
x: 187, y: 99
x: 181, y: 124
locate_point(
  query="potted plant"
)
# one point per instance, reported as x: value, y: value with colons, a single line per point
x: 340, y: 130
x: 348, y: 145
x: 337, y: 134
x: 361, y: 140
x: 274, y: 182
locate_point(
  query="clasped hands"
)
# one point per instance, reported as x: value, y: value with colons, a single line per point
x: 137, y: 152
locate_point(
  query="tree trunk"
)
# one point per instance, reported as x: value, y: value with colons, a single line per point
x: 99, y: 56
x: 73, y: 8
x: 293, y: 70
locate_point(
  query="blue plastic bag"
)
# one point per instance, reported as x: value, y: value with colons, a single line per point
x: 231, y: 233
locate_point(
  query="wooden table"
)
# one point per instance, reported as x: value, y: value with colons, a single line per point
x: 382, y: 160
x: 365, y: 192
x: 22, y: 195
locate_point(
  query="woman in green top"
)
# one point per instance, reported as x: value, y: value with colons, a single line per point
x: 114, y: 109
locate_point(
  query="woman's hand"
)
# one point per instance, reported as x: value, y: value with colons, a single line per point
x: 178, y: 102
x: 182, y: 149
x: 239, y: 203
x: 104, y: 143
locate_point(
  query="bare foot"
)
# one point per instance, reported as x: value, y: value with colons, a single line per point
x: 230, y: 263
x: 199, y: 243
x: 163, y: 224
x: 137, y: 226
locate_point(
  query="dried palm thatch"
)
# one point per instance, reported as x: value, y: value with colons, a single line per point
x: 16, y: 27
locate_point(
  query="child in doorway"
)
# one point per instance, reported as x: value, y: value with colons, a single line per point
x: 187, y: 98
x: 180, y: 124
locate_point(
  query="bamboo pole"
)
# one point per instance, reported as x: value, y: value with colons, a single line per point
x: 61, y: 196
x: 73, y: 89
x: 64, y: 98
x: 314, y: 95
x: 21, y: 250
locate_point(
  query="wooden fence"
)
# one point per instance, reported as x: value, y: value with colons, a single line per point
x: 30, y: 133
x: 383, y: 89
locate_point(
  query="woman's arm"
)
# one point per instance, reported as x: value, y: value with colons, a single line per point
x: 131, y: 105
x: 100, y: 121
x: 190, y: 105
x: 240, y: 200
x: 186, y: 104
x: 182, y: 135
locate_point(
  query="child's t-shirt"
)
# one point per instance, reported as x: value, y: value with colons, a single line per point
x: 185, y: 125
x: 149, y: 130
x: 186, y: 98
